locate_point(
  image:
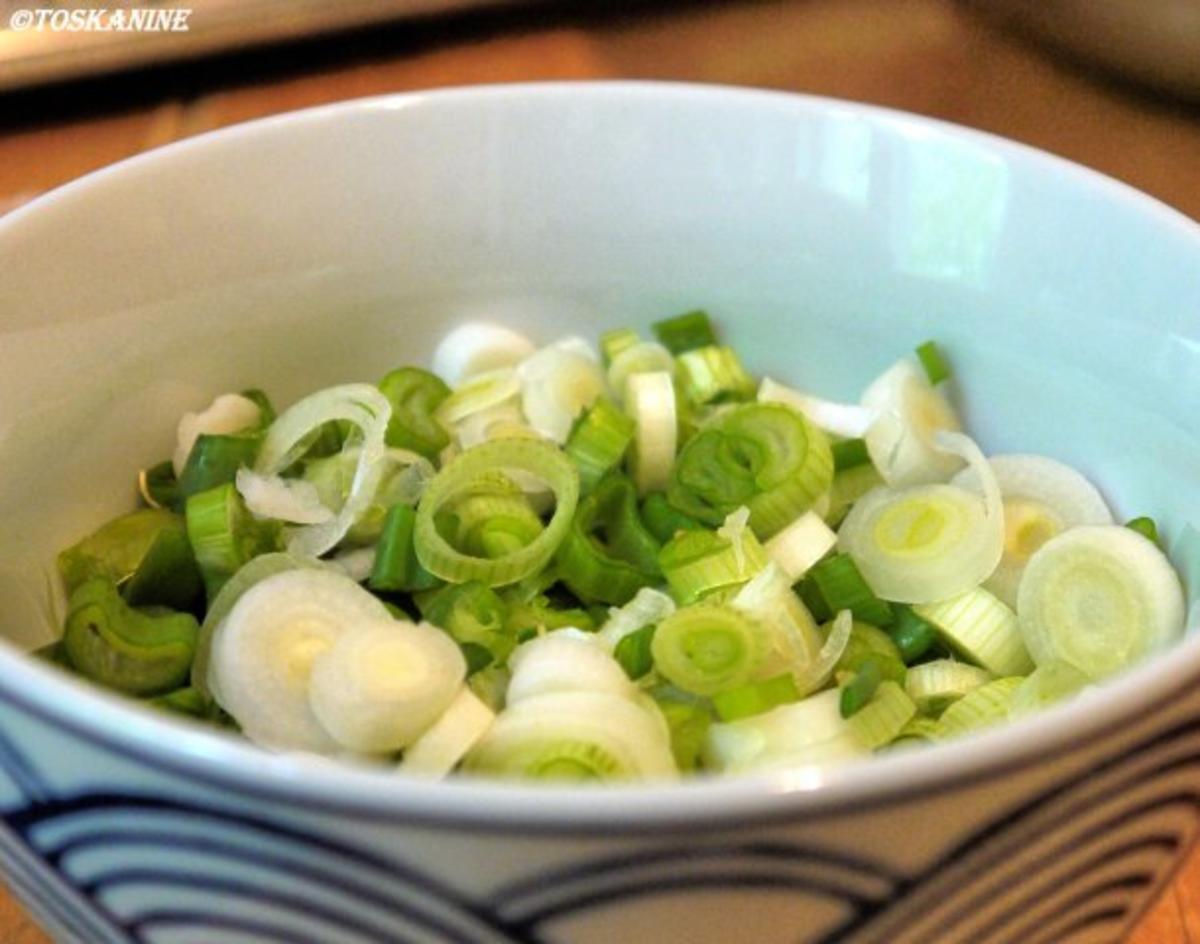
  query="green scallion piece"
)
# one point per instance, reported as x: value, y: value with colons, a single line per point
x: 707, y: 648
x: 224, y: 535
x: 713, y: 374
x: 526, y: 620
x: 123, y: 648
x: 664, y: 521
x: 930, y: 356
x: 756, y: 697
x: 835, y: 584
x: 614, y: 342
x: 868, y: 643
x: 633, y: 652
x: 396, y: 566
x: 599, y: 442
x: 1144, y: 526
x: 766, y: 456
x: 491, y: 519
x: 215, y: 460
x: 415, y: 395
x: 688, y: 722
x: 266, y: 411
x: 697, y: 563
x: 685, y: 332
x: 608, y: 554
x: 913, y: 635
x: 184, y: 701
x: 860, y: 689
x: 146, y: 553
x: 849, y: 454
x: 476, y: 618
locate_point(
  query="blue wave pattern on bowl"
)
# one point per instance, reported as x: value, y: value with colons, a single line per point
x: 1086, y: 851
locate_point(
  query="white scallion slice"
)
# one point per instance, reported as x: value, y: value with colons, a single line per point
x: 478, y: 347
x: 446, y: 742
x: 984, y: 707
x: 1042, y: 498
x: 356, y: 563
x: 228, y: 413
x: 926, y: 543
x: 792, y: 641
x: 818, y: 672
x: 577, y: 736
x: 936, y: 685
x: 640, y: 358
x: 557, y: 384
x: 648, y: 606
x: 480, y: 393
x: 800, y: 545
x: 383, y: 683
x: 505, y: 420
x: 1046, y: 685
x: 263, y: 651
x: 1101, y: 598
x: 808, y: 732
x: 841, y: 419
x: 983, y: 629
x: 566, y: 660
x: 650, y: 400
x: 910, y: 411
x: 363, y: 406
x: 272, y: 496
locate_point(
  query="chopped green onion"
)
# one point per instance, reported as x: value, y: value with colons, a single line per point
x: 491, y: 519
x: 696, y: 563
x: 755, y: 697
x: 1099, y: 597
x: 438, y: 751
x: 224, y: 536
x: 836, y: 584
x: 861, y: 687
x: 912, y: 635
x: 765, y: 456
x: 982, y: 629
x: 645, y: 357
x: 664, y: 521
x: 707, y: 648
x: 799, y: 546
x: 612, y: 343
x: 685, y: 332
x: 145, y: 552
x: 870, y: 643
x: 847, y: 488
x: 1144, y: 526
x: 930, y: 356
x: 714, y: 375
x: 688, y: 722
x: 183, y: 701
x: 909, y: 413
x: 599, y: 442
x: 982, y: 707
x: 921, y: 729
x: 215, y: 460
x: 1046, y: 685
x: 266, y: 411
x: 476, y: 618
x: 849, y: 454
x: 608, y: 555
x: 396, y: 566
x: 633, y: 652
x: 574, y: 736
x: 123, y: 648
x: 541, y: 459
x: 936, y: 685
x: 651, y: 400
x: 415, y: 396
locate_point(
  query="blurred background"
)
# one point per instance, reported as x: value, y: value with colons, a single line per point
x: 1113, y: 84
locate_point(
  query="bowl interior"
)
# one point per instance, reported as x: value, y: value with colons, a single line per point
x: 826, y: 238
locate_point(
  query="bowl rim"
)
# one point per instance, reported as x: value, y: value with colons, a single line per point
x: 224, y: 761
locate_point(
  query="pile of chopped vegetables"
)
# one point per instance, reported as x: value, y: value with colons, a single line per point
x: 635, y: 562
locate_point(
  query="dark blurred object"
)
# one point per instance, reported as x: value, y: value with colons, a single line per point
x: 1152, y: 42
x: 31, y: 56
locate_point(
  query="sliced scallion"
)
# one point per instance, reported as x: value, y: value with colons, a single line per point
x: 685, y: 332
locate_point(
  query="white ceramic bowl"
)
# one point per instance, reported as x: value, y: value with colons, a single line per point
x: 827, y: 238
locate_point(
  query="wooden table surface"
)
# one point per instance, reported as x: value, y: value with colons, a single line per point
x: 926, y: 56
